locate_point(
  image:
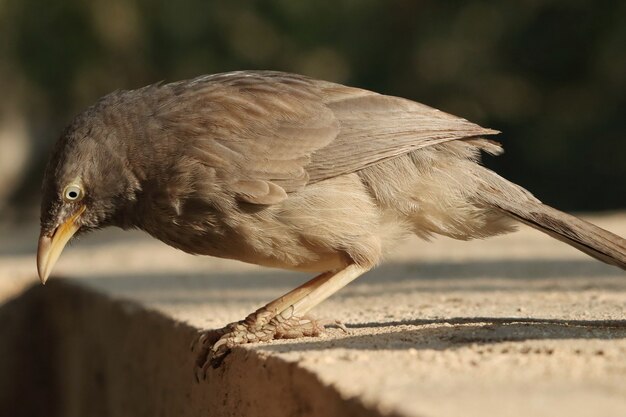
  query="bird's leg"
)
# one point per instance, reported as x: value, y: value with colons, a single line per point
x: 284, y: 317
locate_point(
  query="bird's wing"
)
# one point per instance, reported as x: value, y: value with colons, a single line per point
x: 269, y: 133
x: 257, y: 130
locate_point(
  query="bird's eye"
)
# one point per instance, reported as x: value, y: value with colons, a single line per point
x: 72, y: 193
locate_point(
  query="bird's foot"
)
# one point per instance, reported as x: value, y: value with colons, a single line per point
x: 260, y: 326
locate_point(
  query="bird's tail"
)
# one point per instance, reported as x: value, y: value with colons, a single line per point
x: 518, y: 203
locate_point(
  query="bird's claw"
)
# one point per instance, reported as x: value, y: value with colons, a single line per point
x: 257, y: 327
x: 333, y: 323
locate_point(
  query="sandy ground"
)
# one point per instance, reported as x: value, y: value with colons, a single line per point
x: 513, y: 326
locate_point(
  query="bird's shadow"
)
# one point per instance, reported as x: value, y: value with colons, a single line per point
x: 454, y: 333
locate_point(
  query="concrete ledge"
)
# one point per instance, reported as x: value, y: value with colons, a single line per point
x: 515, y: 326
x: 88, y: 355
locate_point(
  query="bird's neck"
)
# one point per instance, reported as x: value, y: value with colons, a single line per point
x: 146, y: 149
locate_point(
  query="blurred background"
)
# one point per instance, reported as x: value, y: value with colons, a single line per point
x: 550, y: 74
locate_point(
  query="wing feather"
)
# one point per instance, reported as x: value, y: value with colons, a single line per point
x: 376, y: 127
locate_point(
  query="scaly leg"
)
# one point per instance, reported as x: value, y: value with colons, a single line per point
x: 284, y: 317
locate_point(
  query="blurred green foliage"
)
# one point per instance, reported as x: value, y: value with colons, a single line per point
x: 550, y: 74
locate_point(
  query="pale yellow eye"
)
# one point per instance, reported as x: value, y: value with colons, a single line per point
x: 73, y: 192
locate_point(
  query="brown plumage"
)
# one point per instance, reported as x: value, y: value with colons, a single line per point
x: 286, y: 171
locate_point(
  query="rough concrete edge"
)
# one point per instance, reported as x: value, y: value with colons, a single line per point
x: 26, y: 374
x: 77, y: 330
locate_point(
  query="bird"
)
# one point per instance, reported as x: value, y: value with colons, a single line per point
x: 284, y: 171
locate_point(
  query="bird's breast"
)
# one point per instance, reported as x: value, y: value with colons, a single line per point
x: 257, y: 238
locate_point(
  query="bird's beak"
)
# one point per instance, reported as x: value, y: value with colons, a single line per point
x: 50, y: 247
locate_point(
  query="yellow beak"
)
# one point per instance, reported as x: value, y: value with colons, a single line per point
x: 50, y: 248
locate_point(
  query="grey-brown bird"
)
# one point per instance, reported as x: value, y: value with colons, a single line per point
x: 285, y: 171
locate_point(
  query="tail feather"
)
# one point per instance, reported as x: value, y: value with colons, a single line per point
x: 584, y: 236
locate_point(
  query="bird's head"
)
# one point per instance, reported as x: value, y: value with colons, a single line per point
x: 87, y: 184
